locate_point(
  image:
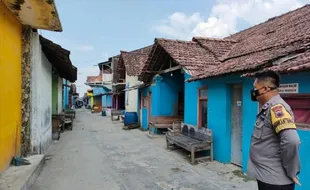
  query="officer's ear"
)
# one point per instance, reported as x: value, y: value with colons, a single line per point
x: 267, y: 88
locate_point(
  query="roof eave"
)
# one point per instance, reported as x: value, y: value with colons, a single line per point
x: 38, y: 14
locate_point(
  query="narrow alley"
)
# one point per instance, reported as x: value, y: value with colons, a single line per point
x: 98, y: 154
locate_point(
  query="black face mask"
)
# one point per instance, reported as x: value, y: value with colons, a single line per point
x: 255, y: 93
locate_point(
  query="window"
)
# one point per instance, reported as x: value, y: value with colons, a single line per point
x: 300, y: 105
x: 203, y: 107
x: 144, y: 101
x: 203, y: 93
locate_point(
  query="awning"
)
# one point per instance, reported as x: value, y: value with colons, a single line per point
x: 117, y: 92
x: 107, y: 93
x: 137, y: 86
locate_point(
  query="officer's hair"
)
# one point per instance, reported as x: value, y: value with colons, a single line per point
x: 270, y: 78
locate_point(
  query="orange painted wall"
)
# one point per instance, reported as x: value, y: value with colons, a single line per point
x: 10, y: 86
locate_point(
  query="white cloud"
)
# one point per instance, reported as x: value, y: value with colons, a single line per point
x: 85, y: 48
x: 224, y: 17
x: 179, y: 25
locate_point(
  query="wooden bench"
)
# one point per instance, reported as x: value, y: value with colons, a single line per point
x: 163, y: 122
x: 70, y: 111
x: 116, y: 113
x: 193, y: 140
x: 69, y: 120
x: 57, y: 125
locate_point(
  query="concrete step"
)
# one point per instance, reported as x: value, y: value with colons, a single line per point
x: 22, y: 177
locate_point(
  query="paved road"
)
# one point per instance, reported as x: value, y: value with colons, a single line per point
x: 99, y: 155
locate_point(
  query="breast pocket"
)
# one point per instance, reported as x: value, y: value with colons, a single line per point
x: 258, y: 130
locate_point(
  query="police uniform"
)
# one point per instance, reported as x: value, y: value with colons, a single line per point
x: 274, y: 156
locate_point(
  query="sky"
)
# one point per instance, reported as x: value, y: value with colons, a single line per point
x: 94, y: 30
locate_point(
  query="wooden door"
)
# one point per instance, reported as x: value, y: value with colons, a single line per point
x: 236, y: 125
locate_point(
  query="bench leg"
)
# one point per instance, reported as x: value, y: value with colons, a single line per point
x: 168, y: 144
x: 193, y: 155
x: 151, y: 130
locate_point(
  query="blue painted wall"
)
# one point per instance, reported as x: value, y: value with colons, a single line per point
x: 106, y: 99
x: 219, y: 106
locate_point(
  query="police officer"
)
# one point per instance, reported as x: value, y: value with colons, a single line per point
x: 274, y: 158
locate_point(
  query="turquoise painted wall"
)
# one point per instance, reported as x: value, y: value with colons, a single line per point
x: 66, y: 90
x: 165, y: 93
x: 144, y: 120
x: 219, y: 105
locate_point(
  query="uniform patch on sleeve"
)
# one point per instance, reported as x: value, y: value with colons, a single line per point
x: 281, y: 119
x: 278, y: 111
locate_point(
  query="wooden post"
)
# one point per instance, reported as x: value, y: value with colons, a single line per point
x: 116, y: 102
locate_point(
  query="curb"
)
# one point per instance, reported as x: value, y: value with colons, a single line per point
x: 32, y: 178
x: 22, y: 177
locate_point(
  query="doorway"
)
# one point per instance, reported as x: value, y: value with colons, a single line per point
x: 236, y: 125
x: 203, y: 107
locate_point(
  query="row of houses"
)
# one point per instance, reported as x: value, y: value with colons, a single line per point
x: 206, y: 82
x: 36, y: 78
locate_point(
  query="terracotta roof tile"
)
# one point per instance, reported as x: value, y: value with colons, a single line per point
x: 188, y: 54
x: 252, y: 61
x: 133, y: 62
x: 259, y: 46
x: 297, y: 62
x: 94, y: 79
x: 119, y: 66
x: 219, y: 47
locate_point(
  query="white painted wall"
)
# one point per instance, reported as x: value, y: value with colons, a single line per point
x: 107, y: 78
x: 41, y: 99
x: 60, y: 81
x: 131, y: 97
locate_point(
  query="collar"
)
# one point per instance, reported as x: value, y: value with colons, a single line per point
x: 268, y: 103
